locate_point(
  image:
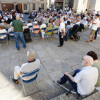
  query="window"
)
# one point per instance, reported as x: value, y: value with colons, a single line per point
x: 42, y: 6
x: 33, y: 6
x: 25, y: 6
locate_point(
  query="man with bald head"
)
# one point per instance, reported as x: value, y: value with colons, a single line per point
x: 17, y: 27
x: 83, y: 81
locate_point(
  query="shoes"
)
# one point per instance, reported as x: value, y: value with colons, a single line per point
x: 15, y: 81
x: 24, y: 47
x: 18, y: 48
x: 58, y: 82
x: 68, y: 92
x: 91, y: 40
x: 87, y: 41
x: 59, y: 46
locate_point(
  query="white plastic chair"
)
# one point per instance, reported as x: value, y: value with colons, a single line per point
x: 29, y: 82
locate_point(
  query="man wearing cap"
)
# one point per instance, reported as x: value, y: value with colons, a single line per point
x: 83, y: 81
x: 61, y: 33
x: 36, y: 29
x: 17, y: 27
x: 27, y: 67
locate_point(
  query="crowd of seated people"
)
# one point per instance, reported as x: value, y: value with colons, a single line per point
x: 46, y: 24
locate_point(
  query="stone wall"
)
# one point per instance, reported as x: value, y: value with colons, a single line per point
x: 82, y: 5
x: 29, y: 4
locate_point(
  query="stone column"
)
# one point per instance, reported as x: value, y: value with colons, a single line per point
x: 48, y: 2
x: 37, y: 5
x: 53, y: 3
x: 82, y: 5
x: 75, y: 5
x: 92, y: 4
x: 97, y: 5
x: 85, y: 3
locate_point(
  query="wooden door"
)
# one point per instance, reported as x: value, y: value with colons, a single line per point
x: 7, y: 6
x: 19, y: 7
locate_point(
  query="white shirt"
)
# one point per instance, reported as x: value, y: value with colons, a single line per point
x: 29, y: 67
x: 95, y: 26
x: 29, y: 24
x: 78, y: 23
x: 85, y: 23
x: 3, y: 31
x: 86, y: 80
x: 62, y: 26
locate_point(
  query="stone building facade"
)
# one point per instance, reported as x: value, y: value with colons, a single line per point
x: 77, y: 5
x: 24, y: 6
x: 27, y: 6
x: 90, y: 5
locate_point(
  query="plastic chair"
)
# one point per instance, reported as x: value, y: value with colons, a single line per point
x: 3, y: 37
x: 29, y: 82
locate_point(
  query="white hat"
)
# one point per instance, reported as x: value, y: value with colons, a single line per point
x: 35, y: 22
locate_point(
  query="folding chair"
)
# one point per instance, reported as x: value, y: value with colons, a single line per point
x: 36, y: 35
x: 3, y: 37
x: 29, y: 82
x: 11, y: 35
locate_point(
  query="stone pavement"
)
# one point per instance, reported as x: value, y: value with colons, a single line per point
x: 54, y: 62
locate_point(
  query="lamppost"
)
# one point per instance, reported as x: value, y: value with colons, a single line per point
x: 29, y: 6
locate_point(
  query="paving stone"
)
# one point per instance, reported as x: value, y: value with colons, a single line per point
x: 54, y: 62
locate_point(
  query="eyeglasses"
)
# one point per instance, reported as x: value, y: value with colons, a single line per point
x: 84, y: 60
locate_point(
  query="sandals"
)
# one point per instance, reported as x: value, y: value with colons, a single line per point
x: 15, y: 81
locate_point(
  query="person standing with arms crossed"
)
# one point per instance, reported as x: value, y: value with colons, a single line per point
x: 61, y: 33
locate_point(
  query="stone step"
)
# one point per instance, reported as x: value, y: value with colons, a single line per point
x: 95, y: 96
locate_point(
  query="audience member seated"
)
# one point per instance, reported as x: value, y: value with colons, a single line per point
x: 55, y: 28
x: 96, y: 64
x: 29, y: 23
x: 26, y: 32
x: 85, y: 23
x: 27, y: 67
x: 36, y: 29
x: 43, y: 28
x: 48, y: 31
x: 2, y: 22
x: 25, y: 26
x: 2, y: 30
x: 83, y: 81
x: 6, y: 25
x: 68, y: 26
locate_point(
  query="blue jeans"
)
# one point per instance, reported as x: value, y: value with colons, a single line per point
x: 65, y: 78
x: 20, y: 35
x: 96, y: 32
